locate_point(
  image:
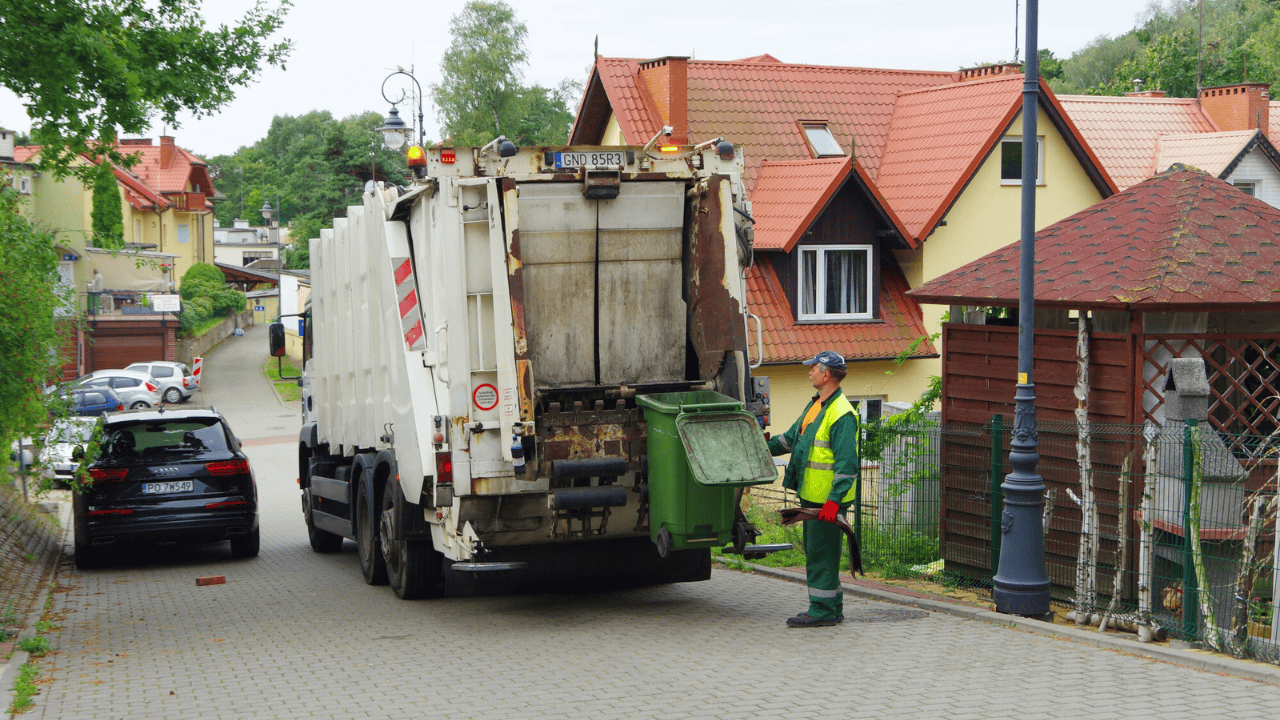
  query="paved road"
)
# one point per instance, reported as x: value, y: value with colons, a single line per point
x: 293, y: 634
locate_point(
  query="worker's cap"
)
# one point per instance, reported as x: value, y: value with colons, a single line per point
x: 828, y: 358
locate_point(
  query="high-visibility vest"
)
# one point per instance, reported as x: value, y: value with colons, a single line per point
x: 820, y: 469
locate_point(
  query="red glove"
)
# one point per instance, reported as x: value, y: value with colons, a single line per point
x: 828, y: 512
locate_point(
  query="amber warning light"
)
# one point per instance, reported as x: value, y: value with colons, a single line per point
x: 416, y: 156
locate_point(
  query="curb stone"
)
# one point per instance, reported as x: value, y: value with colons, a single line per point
x: 9, y: 671
x: 1195, y: 659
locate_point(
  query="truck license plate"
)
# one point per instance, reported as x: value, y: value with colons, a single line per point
x: 164, y: 488
x: 594, y: 159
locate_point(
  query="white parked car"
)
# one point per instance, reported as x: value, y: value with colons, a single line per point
x: 176, y: 382
x: 137, y: 389
x: 60, y: 441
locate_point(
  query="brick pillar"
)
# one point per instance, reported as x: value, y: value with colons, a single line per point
x: 667, y: 79
x: 1244, y: 106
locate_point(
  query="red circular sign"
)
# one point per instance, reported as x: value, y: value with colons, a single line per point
x: 485, y: 397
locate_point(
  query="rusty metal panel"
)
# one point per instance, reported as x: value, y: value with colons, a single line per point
x: 558, y: 257
x: 641, y: 328
x: 714, y: 311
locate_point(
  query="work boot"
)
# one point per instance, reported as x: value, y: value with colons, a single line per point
x: 805, y: 620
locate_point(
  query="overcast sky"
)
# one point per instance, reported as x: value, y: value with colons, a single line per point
x: 344, y: 49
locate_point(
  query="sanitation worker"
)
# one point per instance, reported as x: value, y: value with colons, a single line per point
x: 824, y: 463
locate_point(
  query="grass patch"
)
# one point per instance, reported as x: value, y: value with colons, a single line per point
x: 204, y: 326
x: 24, y: 688
x: 36, y: 646
x: 288, y: 389
x: 890, y: 552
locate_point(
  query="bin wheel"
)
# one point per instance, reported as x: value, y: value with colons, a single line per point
x: 663, y: 542
x: 740, y: 537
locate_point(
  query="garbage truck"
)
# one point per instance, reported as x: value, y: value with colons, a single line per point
x: 533, y: 359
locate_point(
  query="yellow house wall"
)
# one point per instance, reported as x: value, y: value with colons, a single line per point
x: 790, y: 390
x: 612, y: 132
x: 988, y: 216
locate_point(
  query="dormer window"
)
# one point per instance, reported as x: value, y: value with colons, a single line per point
x: 835, y: 283
x: 822, y: 143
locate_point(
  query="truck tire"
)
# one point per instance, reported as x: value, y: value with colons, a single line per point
x: 414, y: 568
x: 372, y: 565
x: 322, y: 541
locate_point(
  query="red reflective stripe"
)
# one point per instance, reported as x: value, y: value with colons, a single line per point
x: 409, y: 302
x: 228, y: 503
x: 403, y: 271
x: 414, y: 334
x: 122, y: 511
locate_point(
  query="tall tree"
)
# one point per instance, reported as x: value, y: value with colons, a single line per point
x: 87, y: 70
x: 90, y: 69
x: 107, y: 214
x: 482, y: 95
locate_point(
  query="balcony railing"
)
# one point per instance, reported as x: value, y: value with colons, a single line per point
x: 119, y: 303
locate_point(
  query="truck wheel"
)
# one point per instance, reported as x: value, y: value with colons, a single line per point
x: 414, y: 567
x: 371, y: 563
x: 322, y: 541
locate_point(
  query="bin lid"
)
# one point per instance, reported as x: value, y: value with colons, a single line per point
x: 726, y: 449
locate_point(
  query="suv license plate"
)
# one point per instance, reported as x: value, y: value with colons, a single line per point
x: 598, y: 159
x: 164, y: 488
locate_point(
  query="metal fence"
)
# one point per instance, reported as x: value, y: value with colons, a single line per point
x: 1162, y: 531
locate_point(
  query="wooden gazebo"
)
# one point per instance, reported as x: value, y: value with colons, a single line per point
x: 1180, y: 265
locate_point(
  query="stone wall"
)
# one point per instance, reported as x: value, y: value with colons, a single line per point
x: 197, y: 347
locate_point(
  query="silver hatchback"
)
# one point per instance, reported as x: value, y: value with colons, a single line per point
x: 176, y: 382
x: 136, y: 389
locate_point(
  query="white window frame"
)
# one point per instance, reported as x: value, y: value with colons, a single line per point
x: 1039, y: 160
x: 24, y: 184
x: 860, y: 403
x: 819, y: 292
x: 1255, y: 186
x: 805, y: 127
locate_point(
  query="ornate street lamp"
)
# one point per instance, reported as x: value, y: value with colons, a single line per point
x: 394, y: 131
x: 1021, y: 585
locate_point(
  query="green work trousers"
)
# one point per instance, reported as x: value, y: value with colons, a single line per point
x: 822, y: 545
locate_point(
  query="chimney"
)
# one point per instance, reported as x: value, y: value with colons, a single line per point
x: 668, y: 81
x: 983, y: 72
x: 166, y: 151
x: 6, y: 144
x: 1244, y: 106
x: 1146, y: 93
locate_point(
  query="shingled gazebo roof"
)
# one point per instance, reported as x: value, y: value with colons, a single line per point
x: 1182, y: 240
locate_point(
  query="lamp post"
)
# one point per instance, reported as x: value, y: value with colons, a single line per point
x: 274, y: 225
x: 1021, y: 585
x: 394, y: 131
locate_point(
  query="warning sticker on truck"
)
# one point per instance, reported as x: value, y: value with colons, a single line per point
x: 485, y: 397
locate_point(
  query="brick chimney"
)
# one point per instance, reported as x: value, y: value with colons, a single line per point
x: 668, y: 81
x: 166, y: 152
x: 1146, y: 93
x: 1245, y: 106
x: 983, y: 72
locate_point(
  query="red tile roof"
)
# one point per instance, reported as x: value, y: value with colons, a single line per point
x: 1122, y: 130
x: 938, y: 139
x: 787, y: 342
x: 137, y: 193
x: 184, y: 168
x: 756, y: 103
x: 1213, y: 153
x: 1182, y: 240
x: 789, y: 195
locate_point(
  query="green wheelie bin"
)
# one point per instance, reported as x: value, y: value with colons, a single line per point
x: 703, y: 446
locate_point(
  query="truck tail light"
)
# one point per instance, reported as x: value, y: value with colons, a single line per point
x: 444, y: 467
x: 103, y: 475
x: 228, y: 467
x: 448, y: 157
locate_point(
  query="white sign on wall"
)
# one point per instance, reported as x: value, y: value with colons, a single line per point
x: 166, y: 303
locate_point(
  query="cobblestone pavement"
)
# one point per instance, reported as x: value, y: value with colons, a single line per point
x: 293, y: 634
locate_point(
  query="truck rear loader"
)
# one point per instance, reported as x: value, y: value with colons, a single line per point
x: 491, y: 351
